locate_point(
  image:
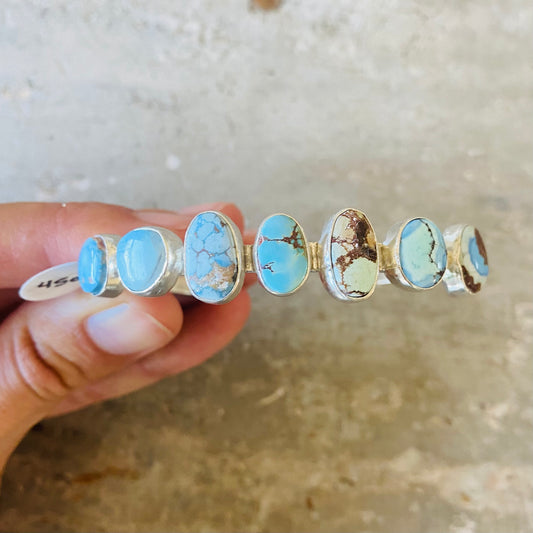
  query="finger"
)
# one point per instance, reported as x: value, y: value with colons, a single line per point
x: 205, y: 331
x: 193, y: 346
x: 51, y: 348
x: 248, y: 236
x: 9, y: 300
x: 236, y: 216
x: 36, y: 236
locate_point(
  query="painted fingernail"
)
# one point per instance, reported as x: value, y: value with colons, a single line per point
x: 125, y: 330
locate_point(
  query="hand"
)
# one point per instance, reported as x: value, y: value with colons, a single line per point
x: 60, y: 355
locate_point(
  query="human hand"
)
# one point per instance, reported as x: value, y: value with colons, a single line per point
x: 60, y: 355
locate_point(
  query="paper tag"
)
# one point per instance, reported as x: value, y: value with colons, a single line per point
x: 51, y: 283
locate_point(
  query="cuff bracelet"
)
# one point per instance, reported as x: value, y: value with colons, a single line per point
x: 211, y: 262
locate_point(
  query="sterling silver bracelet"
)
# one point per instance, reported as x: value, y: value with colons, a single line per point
x: 211, y: 263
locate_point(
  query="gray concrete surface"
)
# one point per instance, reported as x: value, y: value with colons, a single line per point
x: 408, y: 413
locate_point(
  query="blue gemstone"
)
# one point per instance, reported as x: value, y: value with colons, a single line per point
x: 423, y: 253
x: 281, y: 254
x: 211, y: 268
x: 92, y: 268
x: 478, y: 260
x: 141, y: 259
x: 473, y: 259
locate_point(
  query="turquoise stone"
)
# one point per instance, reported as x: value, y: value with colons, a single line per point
x: 141, y: 259
x: 92, y: 268
x: 474, y: 262
x: 478, y: 256
x: 477, y: 259
x: 354, y: 254
x: 282, y: 261
x: 423, y: 253
x: 211, y: 268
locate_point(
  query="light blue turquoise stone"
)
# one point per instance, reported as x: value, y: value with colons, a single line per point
x: 422, y: 253
x: 477, y: 259
x: 210, y: 258
x: 92, y: 268
x: 141, y: 259
x: 282, y: 261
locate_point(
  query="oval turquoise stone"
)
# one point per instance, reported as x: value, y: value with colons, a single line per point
x: 282, y: 261
x: 354, y: 254
x: 423, y: 253
x: 141, y: 259
x: 474, y: 262
x: 92, y: 267
x: 211, y: 267
x: 476, y: 250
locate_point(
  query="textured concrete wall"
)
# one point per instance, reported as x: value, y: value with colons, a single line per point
x: 409, y: 412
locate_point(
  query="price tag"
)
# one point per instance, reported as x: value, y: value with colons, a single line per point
x: 51, y: 283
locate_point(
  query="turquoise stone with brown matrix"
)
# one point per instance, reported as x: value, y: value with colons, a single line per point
x: 281, y: 256
x: 211, y: 264
x: 354, y: 254
x: 423, y: 253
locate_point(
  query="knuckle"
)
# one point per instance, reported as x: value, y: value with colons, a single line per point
x: 45, y: 372
x: 87, y: 395
x: 154, y: 368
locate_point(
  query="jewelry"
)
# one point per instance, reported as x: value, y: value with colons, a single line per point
x: 97, y: 268
x: 211, y: 263
x: 468, y: 264
x: 414, y: 254
x: 349, y: 258
x: 281, y: 256
x: 148, y: 260
x: 213, y: 258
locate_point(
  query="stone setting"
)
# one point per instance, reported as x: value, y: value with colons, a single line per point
x: 213, y: 258
x: 142, y: 260
x: 422, y: 253
x: 281, y: 257
x: 474, y: 261
x: 350, y: 263
x: 92, y: 266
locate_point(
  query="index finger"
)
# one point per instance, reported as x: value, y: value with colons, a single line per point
x: 35, y: 236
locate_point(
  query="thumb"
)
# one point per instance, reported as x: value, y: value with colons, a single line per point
x: 51, y: 348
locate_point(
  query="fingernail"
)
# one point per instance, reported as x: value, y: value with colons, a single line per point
x: 161, y: 218
x: 194, y: 209
x: 124, y: 330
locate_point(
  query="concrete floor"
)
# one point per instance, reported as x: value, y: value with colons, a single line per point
x: 406, y: 413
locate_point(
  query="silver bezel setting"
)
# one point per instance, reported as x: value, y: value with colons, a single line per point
x: 255, y: 252
x: 172, y: 268
x: 239, y: 257
x: 326, y: 266
x: 391, y: 266
x: 112, y: 285
x: 453, y: 278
